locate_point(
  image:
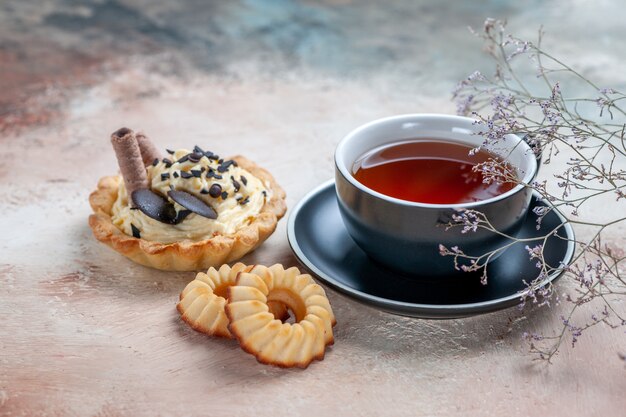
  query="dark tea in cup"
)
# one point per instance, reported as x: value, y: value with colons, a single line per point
x: 429, y: 171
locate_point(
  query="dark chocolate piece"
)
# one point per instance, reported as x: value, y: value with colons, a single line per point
x: 171, y: 152
x: 183, y: 159
x: 215, y: 190
x: 155, y: 162
x: 175, y: 174
x: 164, y: 176
x: 182, y: 215
x: 225, y: 165
x: 245, y: 201
x: 167, y: 162
x: 193, y: 203
x: 196, y: 173
x: 197, y: 149
x: 204, y: 191
x: 154, y: 206
x: 185, y: 174
x: 224, y: 195
x: 212, y: 156
x: 235, y: 183
x: 212, y: 174
x: 244, y: 180
x: 195, y: 157
x: 136, y: 232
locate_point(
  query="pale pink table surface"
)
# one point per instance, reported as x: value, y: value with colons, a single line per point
x: 85, y: 332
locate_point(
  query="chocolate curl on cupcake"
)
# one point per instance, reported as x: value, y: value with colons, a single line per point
x: 149, y: 152
x: 129, y: 160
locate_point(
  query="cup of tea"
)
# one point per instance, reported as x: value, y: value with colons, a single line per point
x: 400, y: 180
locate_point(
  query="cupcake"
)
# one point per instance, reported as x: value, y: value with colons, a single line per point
x: 189, y: 210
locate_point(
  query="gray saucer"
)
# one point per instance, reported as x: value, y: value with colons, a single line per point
x: 321, y: 243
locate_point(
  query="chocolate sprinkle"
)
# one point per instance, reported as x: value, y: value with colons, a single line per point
x: 244, y: 180
x: 175, y: 174
x: 196, y: 173
x: 224, y: 195
x: 167, y: 162
x: 183, y: 159
x: 154, y: 206
x: 235, y: 183
x: 185, y: 174
x: 212, y: 174
x: 193, y: 203
x: 155, y: 162
x: 136, y: 232
x: 171, y: 152
x: 164, y: 176
x: 195, y: 157
x: 215, y: 190
x: 225, y: 165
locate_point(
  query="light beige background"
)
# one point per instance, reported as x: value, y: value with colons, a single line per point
x: 84, y: 331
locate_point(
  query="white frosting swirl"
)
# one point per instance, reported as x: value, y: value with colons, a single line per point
x: 233, y: 212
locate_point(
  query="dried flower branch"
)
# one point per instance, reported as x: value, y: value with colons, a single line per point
x: 586, y: 136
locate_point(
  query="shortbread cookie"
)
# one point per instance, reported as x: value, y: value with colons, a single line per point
x: 270, y: 340
x: 202, y: 301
